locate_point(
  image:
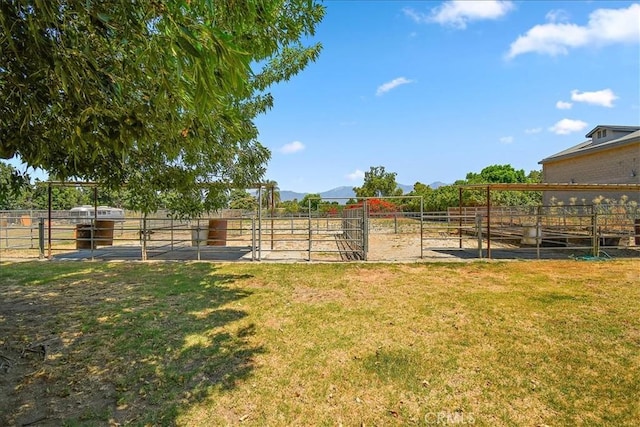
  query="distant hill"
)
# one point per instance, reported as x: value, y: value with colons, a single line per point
x: 286, y: 195
x: 341, y: 194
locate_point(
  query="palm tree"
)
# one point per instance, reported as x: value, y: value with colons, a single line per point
x: 270, y: 194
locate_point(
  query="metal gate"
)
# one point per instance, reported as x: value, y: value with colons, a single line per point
x: 352, y: 243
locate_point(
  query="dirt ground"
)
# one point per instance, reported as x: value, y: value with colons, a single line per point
x: 30, y: 349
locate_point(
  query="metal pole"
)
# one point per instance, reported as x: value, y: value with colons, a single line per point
x: 31, y: 229
x: 459, y: 218
x: 95, y: 219
x: 49, y: 196
x: 421, y: 227
x: 273, y: 207
x: 198, y: 238
x: 538, y: 231
x: 144, y: 237
x: 309, y: 224
x: 594, y: 220
x: 365, y: 229
x: 260, y: 223
x: 479, y: 233
x: 253, y: 239
x: 6, y: 233
x: 488, y: 222
x: 41, y: 237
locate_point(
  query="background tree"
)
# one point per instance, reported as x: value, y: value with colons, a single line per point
x: 447, y: 196
x: 378, y: 183
x: 311, y: 200
x: 497, y: 174
x: 419, y: 189
x: 241, y: 199
x: 290, y: 206
x: 270, y: 201
x: 158, y: 94
x: 13, y: 187
x: 62, y: 198
x: 504, y: 174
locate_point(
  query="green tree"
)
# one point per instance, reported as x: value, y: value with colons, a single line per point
x: 270, y: 200
x: 443, y: 197
x: 158, y: 94
x: 290, y: 206
x: 62, y: 197
x: 378, y: 183
x: 241, y: 199
x: 534, y: 177
x: 497, y: 174
x: 503, y: 174
x: 311, y: 200
x: 419, y: 189
x: 13, y: 187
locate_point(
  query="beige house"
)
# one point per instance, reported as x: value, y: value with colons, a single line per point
x: 610, y: 155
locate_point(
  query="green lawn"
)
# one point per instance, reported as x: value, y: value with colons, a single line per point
x: 514, y: 343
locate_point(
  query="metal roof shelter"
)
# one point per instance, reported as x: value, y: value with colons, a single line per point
x: 535, y: 187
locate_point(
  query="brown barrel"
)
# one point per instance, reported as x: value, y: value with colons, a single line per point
x: 104, y: 232
x: 83, y: 236
x: 636, y: 231
x: 217, y: 232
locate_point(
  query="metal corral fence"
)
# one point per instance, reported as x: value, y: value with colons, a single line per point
x: 352, y: 234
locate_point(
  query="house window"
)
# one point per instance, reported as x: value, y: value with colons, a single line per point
x: 599, y: 135
x: 604, y: 133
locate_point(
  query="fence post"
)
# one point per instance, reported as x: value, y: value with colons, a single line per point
x: 594, y: 223
x: 144, y: 238
x: 31, y: 229
x: 365, y: 228
x: 253, y: 239
x: 479, y: 233
x: 310, y: 232
x: 421, y: 227
x: 538, y: 230
x: 198, y: 239
x: 6, y: 233
x: 260, y: 223
x: 41, y: 237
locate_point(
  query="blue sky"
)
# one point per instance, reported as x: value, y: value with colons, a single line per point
x: 434, y: 90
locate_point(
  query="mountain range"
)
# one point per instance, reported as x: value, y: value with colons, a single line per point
x: 342, y: 194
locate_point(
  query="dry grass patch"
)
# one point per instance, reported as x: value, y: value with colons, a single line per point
x: 513, y: 343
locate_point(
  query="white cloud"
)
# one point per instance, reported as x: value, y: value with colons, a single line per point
x: 386, y: 87
x: 457, y: 13
x: 292, y: 147
x: 605, y: 26
x: 567, y: 126
x: 562, y: 105
x: 506, y: 139
x: 532, y: 131
x: 557, y: 15
x: 603, y: 98
x: 417, y: 17
x: 356, y: 175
